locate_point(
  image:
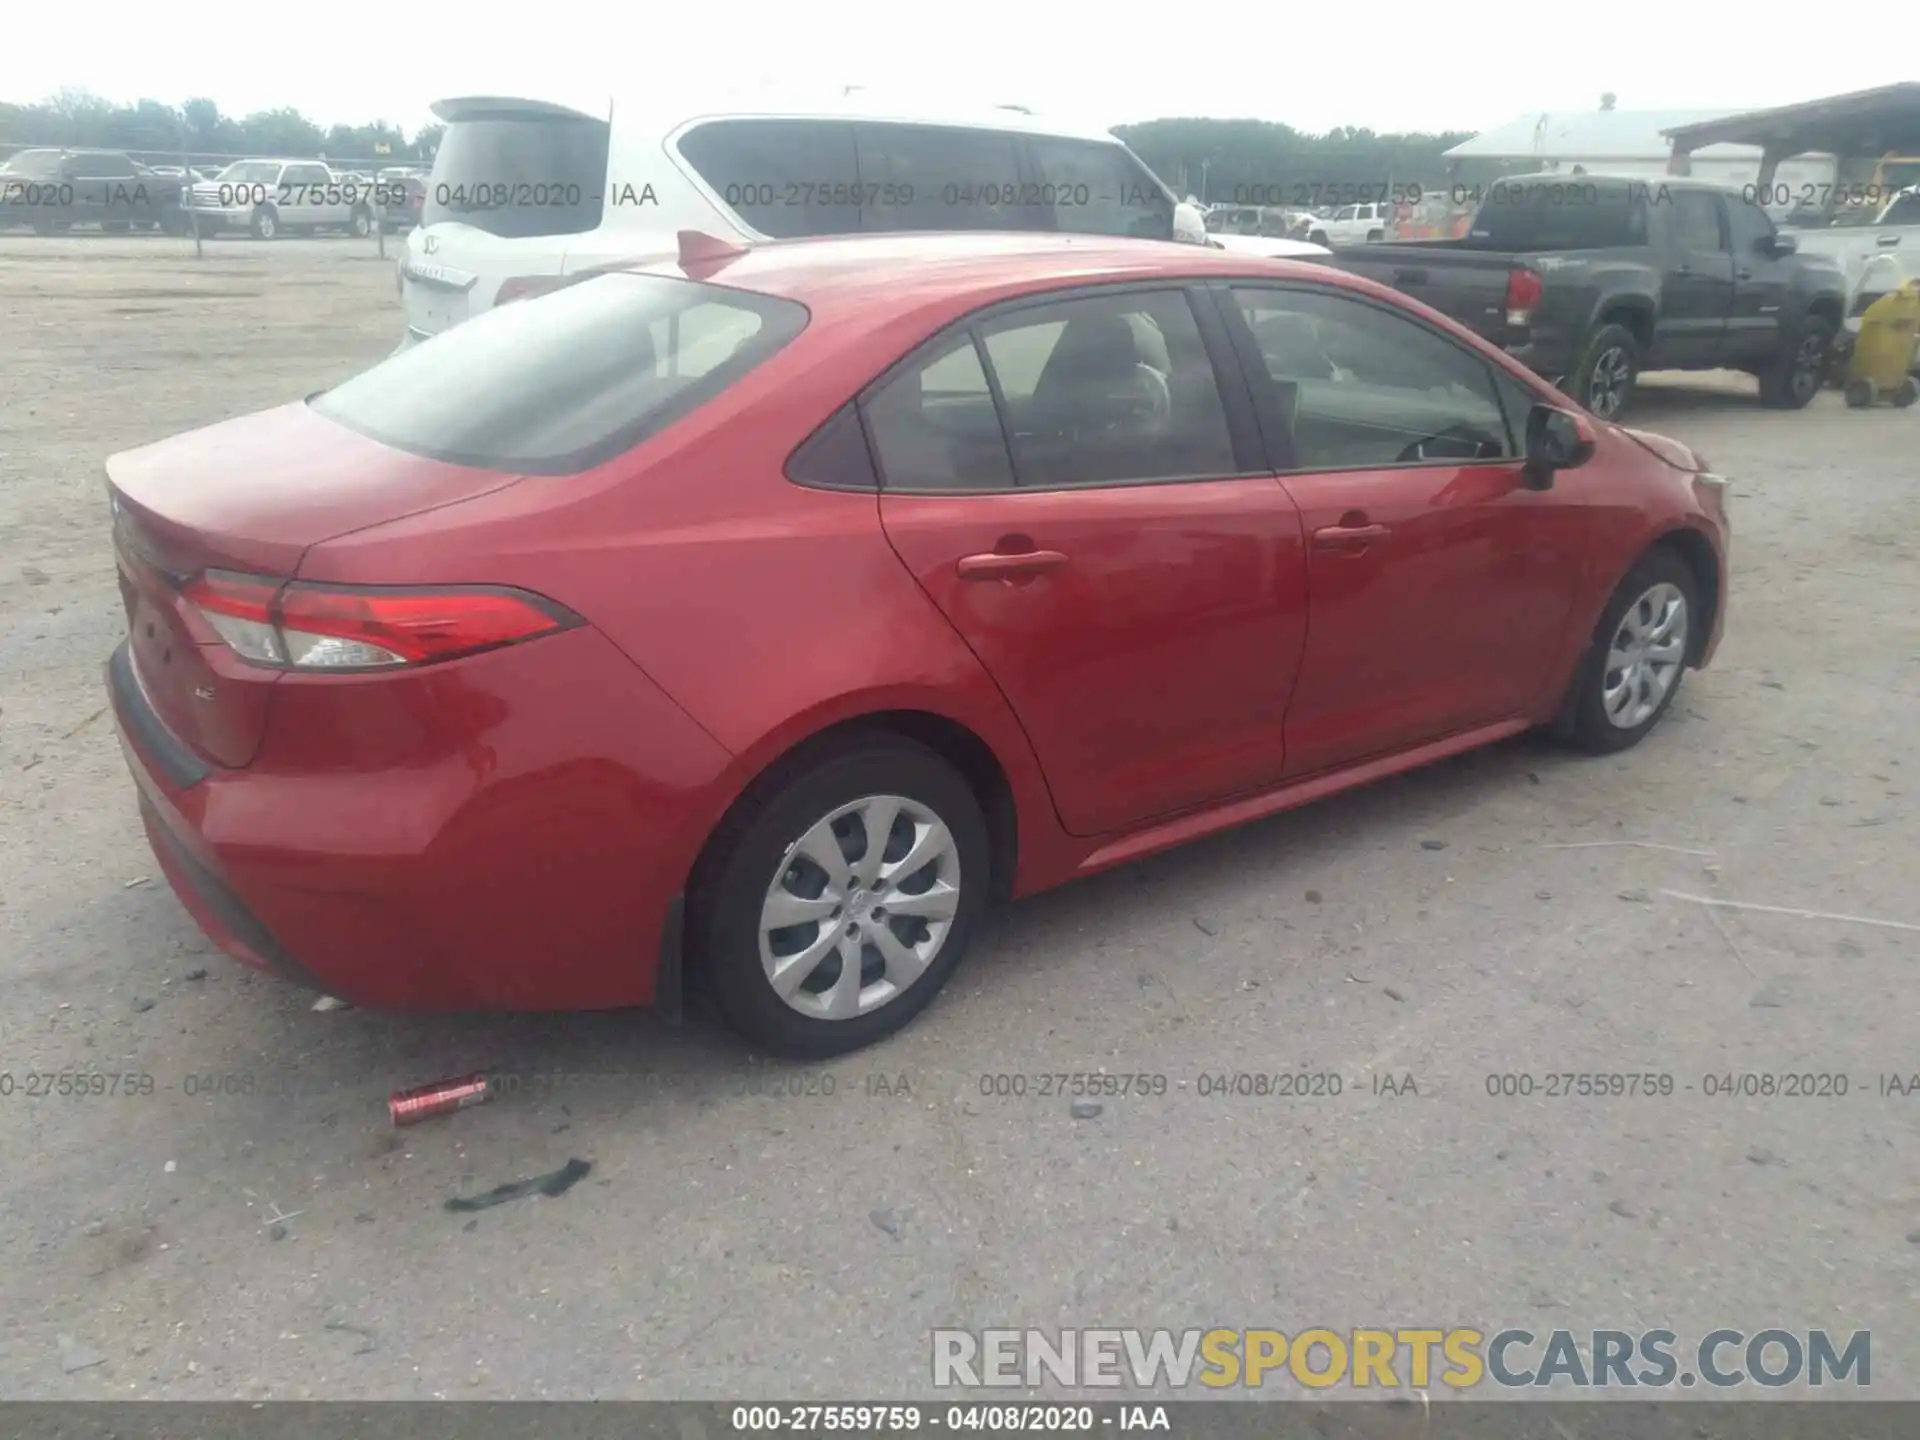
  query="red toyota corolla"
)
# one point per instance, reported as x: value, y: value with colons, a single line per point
x: 770, y: 612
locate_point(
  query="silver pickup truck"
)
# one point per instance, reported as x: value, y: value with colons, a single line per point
x: 1895, y: 231
x: 274, y: 197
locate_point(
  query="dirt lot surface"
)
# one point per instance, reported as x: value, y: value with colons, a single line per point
x: 1483, y: 917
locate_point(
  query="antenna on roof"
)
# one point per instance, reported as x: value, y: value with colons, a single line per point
x: 706, y: 253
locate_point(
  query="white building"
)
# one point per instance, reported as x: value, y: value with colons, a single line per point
x: 1629, y: 142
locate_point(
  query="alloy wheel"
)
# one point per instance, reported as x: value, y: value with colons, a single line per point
x: 1607, y: 387
x: 859, y: 907
x: 1649, y: 648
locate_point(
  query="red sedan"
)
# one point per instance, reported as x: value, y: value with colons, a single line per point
x: 766, y: 613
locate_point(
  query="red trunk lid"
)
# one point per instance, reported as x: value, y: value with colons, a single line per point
x: 250, y: 495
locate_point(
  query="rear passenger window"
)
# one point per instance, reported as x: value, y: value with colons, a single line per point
x: 931, y: 177
x: 935, y: 427
x: 1095, y: 188
x: 785, y: 178
x: 1109, y: 389
x: 836, y: 456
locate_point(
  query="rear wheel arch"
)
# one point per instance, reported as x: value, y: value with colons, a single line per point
x: 946, y: 738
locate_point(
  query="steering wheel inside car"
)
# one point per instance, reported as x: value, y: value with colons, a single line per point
x: 1456, y: 442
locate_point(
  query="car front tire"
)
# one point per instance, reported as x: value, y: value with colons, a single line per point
x: 839, y: 898
x: 1639, y: 654
x: 1798, y: 372
x: 265, y: 224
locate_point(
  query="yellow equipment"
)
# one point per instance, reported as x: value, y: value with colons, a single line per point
x: 1883, y: 356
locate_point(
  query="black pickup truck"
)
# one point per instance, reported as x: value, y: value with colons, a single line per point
x: 54, y: 190
x: 1588, y: 280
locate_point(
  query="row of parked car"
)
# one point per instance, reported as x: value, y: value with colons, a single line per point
x: 53, y: 190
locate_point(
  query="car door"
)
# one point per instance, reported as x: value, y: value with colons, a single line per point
x: 1077, y: 484
x: 1761, y: 281
x: 304, y: 202
x: 91, y: 189
x: 1438, y: 584
x: 1696, y: 292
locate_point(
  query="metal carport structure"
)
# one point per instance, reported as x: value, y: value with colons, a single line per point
x: 1865, y: 123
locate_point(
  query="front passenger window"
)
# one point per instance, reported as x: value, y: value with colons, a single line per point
x: 1360, y: 387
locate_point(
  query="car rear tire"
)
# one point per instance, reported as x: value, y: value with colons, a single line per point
x: 1606, y: 372
x: 1375, y: 236
x: 1638, y: 656
x: 361, y: 225
x: 265, y: 224
x: 1795, y: 376
x: 867, y: 942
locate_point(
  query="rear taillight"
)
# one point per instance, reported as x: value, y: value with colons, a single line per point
x: 526, y: 287
x: 297, y: 626
x: 1523, y: 295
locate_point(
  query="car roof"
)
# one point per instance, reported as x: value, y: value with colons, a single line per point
x: 650, y: 115
x: 969, y: 269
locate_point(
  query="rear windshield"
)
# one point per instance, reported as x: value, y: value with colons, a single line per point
x: 561, y: 383
x: 1574, y: 215
x: 519, y: 175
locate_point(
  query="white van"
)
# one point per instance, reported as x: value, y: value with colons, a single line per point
x: 525, y: 192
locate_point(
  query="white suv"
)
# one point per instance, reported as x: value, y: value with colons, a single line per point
x: 526, y: 192
x: 1353, y: 224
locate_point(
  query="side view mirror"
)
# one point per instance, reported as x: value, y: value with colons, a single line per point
x: 1777, y: 245
x: 1556, y: 440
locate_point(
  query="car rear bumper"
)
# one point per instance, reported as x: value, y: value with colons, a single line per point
x: 528, y: 859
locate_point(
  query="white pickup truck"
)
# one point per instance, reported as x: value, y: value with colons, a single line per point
x: 274, y: 197
x: 1895, y: 231
x: 1353, y: 225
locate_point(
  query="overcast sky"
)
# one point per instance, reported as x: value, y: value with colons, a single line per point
x: 1387, y: 64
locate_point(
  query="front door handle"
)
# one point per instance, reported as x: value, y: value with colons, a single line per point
x: 1348, y: 538
x: 1886, y: 242
x: 1683, y: 269
x: 996, y: 565
x: 1743, y: 274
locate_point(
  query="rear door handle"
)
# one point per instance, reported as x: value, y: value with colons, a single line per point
x: 1743, y: 274
x: 997, y: 566
x: 1683, y: 269
x: 1887, y: 241
x: 1348, y: 537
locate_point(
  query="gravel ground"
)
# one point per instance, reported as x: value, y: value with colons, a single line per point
x: 742, y: 1232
